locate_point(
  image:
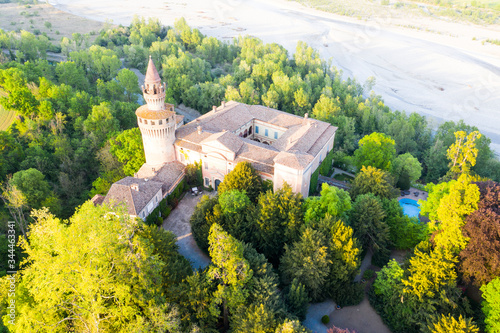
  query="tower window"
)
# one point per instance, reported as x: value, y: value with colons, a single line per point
x: 140, y: 120
x: 145, y: 121
x: 160, y: 122
x: 152, y: 122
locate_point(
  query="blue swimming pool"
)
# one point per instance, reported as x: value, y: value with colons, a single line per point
x: 410, y: 207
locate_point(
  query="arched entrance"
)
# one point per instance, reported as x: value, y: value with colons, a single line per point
x: 217, y: 183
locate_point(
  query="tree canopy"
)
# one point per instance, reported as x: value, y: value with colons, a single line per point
x: 376, y: 150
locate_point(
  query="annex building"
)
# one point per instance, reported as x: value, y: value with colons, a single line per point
x: 281, y: 146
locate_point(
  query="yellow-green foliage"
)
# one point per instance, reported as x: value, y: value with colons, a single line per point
x: 461, y: 200
x: 448, y: 324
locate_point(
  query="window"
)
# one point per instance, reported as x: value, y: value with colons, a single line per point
x: 207, y: 182
x: 267, y: 132
x: 140, y: 120
x: 206, y: 165
x: 228, y: 170
x: 152, y: 122
x: 145, y: 121
x: 160, y: 122
x: 275, y: 135
x: 257, y: 129
x: 250, y: 130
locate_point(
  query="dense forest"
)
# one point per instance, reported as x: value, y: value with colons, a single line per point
x: 75, y: 134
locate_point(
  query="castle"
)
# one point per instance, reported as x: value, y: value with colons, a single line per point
x: 282, y: 147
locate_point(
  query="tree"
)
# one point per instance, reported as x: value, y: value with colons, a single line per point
x: 463, y: 153
x: 376, y: 150
x: 100, y: 124
x: 11, y: 153
x: 307, y: 261
x: 254, y: 319
x: 129, y: 82
x: 480, y: 259
x: 244, y: 178
x: 373, y: 180
x: 344, y: 253
x: 34, y: 187
x: 367, y: 220
x: 200, y: 223
x: 234, y: 202
x: 449, y: 324
x: 291, y: 326
x: 278, y: 222
x: 230, y: 268
x: 96, y: 273
x: 297, y: 299
x: 326, y: 109
x: 429, y: 272
x: 333, y: 201
x: 462, y: 199
x: 491, y: 305
x: 128, y: 149
x: 405, y: 232
x: 409, y: 164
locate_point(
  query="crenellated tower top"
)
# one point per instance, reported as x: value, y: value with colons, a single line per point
x: 153, y: 90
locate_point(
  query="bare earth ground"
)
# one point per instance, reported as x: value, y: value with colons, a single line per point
x: 430, y: 66
x: 178, y: 223
x: 19, y: 17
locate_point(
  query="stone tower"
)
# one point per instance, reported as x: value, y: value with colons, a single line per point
x: 156, y: 120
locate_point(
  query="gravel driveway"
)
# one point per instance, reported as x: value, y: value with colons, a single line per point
x: 178, y: 223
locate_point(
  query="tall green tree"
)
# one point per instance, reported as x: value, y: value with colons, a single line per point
x: 376, y: 150
x: 491, y: 305
x: 230, y: 268
x: 373, y: 180
x: 367, y: 220
x: 332, y: 201
x: 406, y: 163
x: 244, y: 178
x: 307, y: 261
x: 96, y: 273
x: 128, y: 149
x: 278, y: 222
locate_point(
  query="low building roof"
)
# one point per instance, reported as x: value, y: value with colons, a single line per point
x: 135, y: 193
x: 168, y: 174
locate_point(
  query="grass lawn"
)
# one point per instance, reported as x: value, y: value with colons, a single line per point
x: 343, y: 177
x: 6, y: 117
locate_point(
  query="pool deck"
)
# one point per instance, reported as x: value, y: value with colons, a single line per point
x: 422, y: 195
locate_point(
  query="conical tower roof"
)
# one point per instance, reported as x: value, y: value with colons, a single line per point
x: 152, y: 75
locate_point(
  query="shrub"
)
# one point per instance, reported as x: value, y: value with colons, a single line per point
x: 368, y: 274
x: 325, y: 319
x: 351, y: 294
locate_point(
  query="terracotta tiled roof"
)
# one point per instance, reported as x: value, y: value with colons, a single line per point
x: 167, y: 174
x: 227, y: 139
x: 97, y: 199
x: 134, y: 199
x: 305, y: 137
x: 152, y: 75
x: 294, y: 159
x: 145, y: 113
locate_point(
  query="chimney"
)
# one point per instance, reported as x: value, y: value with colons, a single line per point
x: 199, y: 129
x: 135, y: 187
x: 223, y: 104
x: 214, y: 108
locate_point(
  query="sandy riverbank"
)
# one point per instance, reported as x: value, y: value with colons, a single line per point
x: 444, y: 74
